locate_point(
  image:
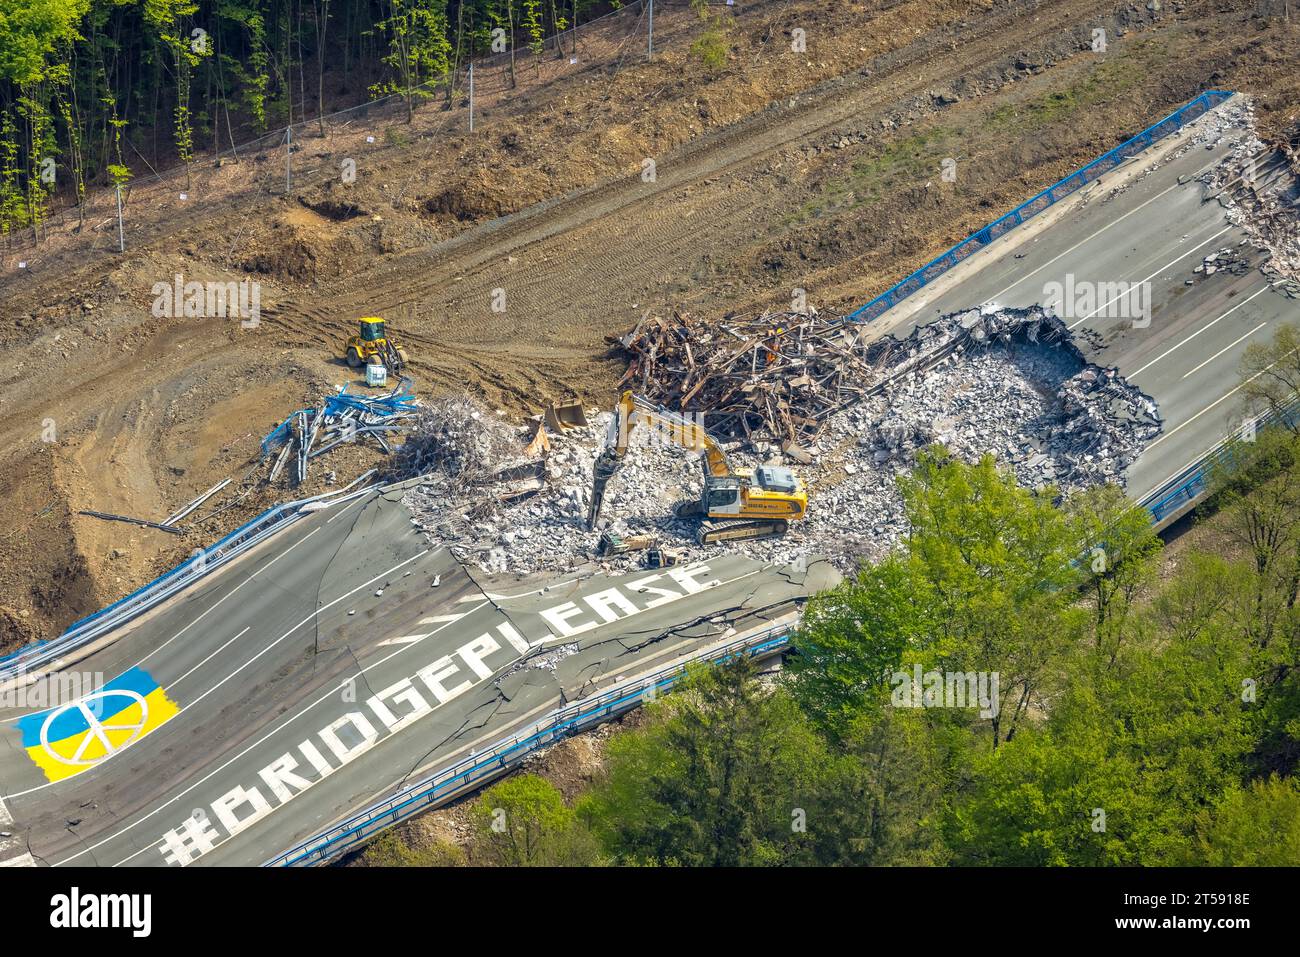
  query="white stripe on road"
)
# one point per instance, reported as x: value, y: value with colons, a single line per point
x: 1131, y: 375
x: 1225, y: 349
x: 1172, y: 262
x: 1215, y: 402
x: 404, y: 640
x: 175, y: 682
x: 1113, y: 222
x: 225, y: 596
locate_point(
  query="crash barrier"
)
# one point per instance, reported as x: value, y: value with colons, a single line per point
x: 1192, y: 482
x: 145, y: 597
x: 1053, y: 194
x: 506, y: 753
x: 27, y: 659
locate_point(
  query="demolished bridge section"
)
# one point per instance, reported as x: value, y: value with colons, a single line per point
x: 1011, y: 383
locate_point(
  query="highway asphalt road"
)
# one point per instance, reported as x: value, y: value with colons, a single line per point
x: 1156, y: 230
x: 322, y: 671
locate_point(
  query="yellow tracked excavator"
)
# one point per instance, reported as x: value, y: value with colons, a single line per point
x: 735, y: 504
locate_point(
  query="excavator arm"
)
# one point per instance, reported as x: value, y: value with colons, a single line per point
x: 681, y: 430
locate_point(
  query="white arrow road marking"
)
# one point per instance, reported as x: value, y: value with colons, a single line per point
x: 404, y: 640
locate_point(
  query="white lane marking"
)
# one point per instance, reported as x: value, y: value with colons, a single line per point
x: 1225, y: 349
x: 439, y: 619
x: 1172, y: 262
x: 1131, y: 375
x: 404, y: 640
x: 522, y: 594
x: 1113, y: 222
x: 227, y: 595
x: 534, y: 591
x: 5, y: 817
x: 1226, y: 395
x: 314, y: 614
x: 358, y: 501
x: 175, y: 682
x: 256, y: 744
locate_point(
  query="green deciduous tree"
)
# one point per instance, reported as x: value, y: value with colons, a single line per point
x: 722, y: 775
x: 524, y: 822
x: 419, y: 48
x: 1253, y: 826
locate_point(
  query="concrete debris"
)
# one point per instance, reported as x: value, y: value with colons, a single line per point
x: 457, y: 437
x: 1011, y: 383
x: 1227, y: 260
x: 544, y: 661
x: 1260, y: 189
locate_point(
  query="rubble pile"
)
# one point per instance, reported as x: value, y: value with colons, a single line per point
x: 1010, y: 383
x: 776, y: 376
x: 1259, y: 188
x: 457, y: 437
x: 1227, y: 260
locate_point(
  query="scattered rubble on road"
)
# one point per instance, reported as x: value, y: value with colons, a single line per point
x: 1258, y: 186
x: 1011, y: 383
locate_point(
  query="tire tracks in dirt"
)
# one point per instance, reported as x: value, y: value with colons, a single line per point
x: 574, y: 267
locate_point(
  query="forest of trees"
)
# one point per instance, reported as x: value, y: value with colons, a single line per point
x: 94, y: 91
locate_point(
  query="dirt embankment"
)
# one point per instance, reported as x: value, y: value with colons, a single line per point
x: 818, y: 170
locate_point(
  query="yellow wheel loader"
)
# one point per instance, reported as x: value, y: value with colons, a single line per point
x: 372, y: 341
x: 735, y: 504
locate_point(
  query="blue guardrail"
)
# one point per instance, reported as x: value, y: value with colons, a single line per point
x: 1053, y: 194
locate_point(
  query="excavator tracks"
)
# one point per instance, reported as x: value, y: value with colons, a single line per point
x: 741, y: 530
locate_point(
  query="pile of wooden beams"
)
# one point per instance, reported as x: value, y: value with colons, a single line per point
x: 774, y: 377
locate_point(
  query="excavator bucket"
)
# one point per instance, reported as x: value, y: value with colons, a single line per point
x: 562, y: 416
x: 540, y: 445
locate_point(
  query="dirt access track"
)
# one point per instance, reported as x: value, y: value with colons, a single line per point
x: 780, y: 170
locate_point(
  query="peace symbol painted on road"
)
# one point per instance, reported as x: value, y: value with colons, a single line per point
x: 97, y: 730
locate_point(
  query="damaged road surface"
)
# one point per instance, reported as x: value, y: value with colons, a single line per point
x: 1159, y: 273
x: 342, y: 659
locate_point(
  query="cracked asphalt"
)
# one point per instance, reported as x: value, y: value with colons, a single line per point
x: 324, y: 670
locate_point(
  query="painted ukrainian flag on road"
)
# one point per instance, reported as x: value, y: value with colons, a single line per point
x: 76, y: 736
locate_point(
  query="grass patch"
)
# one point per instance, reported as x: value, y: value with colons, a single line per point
x: 1103, y: 83
x: 900, y: 164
